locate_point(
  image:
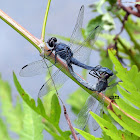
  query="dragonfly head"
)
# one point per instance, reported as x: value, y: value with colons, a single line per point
x: 52, y: 41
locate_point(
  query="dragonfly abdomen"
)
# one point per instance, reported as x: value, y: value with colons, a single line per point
x: 78, y: 63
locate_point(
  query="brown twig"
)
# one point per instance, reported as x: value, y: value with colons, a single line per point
x: 65, y: 111
x: 129, y: 9
x: 114, y: 46
x: 69, y: 122
x: 122, y: 28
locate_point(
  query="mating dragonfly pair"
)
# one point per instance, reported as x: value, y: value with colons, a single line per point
x: 72, y: 56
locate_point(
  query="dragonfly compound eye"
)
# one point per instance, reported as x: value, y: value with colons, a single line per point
x: 51, y: 41
x: 54, y: 39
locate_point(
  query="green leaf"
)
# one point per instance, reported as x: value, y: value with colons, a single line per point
x: 107, y: 127
x: 4, y: 131
x: 32, y: 124
x: 131, y: 93
x: 112, y: 2
x: 13, y: 115
x: 92, y: 24
x: 128, y: 108
x: 125, y: 121
x: 38, y: 109
x: 86, y: 135
x: 128, y: 96
x: 109, y: 23
x: 130, y: 82
x: 55, y: 109
x: 99, y: 6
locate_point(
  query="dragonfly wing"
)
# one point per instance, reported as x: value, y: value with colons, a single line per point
x: 98, y: 112
x: 34, y: 68
x: 83, y: 115
x: 82, y: 53
x: 77, y: 32
x: 59, y: 78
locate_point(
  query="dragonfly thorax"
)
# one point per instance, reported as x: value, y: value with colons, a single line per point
x: 52, y: 41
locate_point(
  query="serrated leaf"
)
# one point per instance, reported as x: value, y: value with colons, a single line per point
x: 12, y: 115
x: 32, y: 124
x: 130, y: 80
x: 55, y: 109
x: 3, y: 131
x: 125, y: 121
x: 128, y: 96
x: 110, y: 131
x: 29, y: 100
x: 128, y: 108
x: 57, y: 137
x: 106, y: 126
x: 86, y: 135
x: 38, y: 109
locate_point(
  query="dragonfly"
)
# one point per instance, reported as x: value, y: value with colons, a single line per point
x: 101, y: 85
x: 71, y: 54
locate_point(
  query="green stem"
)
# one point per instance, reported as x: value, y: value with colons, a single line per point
x: 128, y: 52
x: 45, y: 21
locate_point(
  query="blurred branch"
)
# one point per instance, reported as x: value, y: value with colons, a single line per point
x: 129, y: 9
x: 130, y: 35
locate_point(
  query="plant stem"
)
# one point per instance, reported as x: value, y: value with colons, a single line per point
x: 45, y: 21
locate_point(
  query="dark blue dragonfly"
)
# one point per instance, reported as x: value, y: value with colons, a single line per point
x: 71, y: 54
x: 102, y: 84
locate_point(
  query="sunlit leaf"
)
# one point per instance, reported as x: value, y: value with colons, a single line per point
x: 55, y: 109
x: 86, y: 135
x: 4, y: 131
x: 32, y: 124
x: 40, y: 110
x: 13, y: 115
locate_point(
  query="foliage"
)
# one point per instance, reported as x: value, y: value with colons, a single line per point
x: 129, y: 89
x: 27, y: 120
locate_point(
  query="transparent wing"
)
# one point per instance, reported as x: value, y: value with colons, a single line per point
x: 77, y: 32
x: 82, y: 53
x: 112, y: 78
x: 83, y: 115
x: 98, y: 112
x: 34, y: 68
x: 59, y: 79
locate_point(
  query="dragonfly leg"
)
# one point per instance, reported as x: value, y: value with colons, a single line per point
x: 50, y: 50
x: 55, y: 58
x: 94, y: 74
